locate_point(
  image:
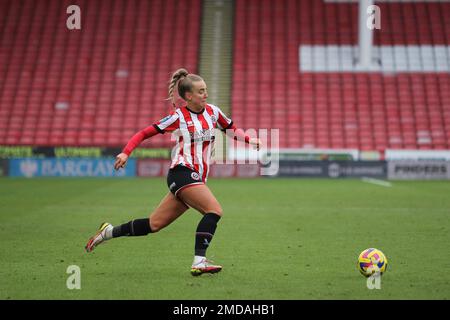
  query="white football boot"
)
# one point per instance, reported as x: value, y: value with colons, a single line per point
x: 204, y: 265
x: 104, y: 233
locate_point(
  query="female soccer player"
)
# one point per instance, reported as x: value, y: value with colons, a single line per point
x: 194, y: 126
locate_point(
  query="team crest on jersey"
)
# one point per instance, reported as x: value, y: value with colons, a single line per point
x: 190, y: 123
x: 195, y: 176
x: 213, y: 118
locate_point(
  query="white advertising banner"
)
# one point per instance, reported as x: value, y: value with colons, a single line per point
x: 418, y: 170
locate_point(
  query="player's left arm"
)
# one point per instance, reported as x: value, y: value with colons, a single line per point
x: 227, y: 126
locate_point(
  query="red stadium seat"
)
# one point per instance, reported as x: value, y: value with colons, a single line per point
x: 364, y: 110
x: 105, y: 71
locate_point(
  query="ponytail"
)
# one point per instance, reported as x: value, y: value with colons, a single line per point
x: 177, y: 76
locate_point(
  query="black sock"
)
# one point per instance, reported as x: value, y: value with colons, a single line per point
x: 134, y: 228
x: 205, y: 231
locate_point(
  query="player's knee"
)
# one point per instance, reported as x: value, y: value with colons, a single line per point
x: 216, y: 210
x: 156, y: 225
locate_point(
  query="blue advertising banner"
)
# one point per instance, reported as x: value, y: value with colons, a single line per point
x: 69, y: 167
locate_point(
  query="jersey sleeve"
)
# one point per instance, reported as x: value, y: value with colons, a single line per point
x: 138, y: 138
x: 223, y: 122
x: 168, y: 124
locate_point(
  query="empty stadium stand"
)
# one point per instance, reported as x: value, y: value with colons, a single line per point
x: 95, y: 86
x: 98, y: 85
x: 332, y: 109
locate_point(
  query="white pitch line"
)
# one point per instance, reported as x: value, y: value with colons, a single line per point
x: 377, y: 182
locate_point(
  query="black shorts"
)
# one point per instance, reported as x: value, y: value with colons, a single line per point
x: 181, y: 177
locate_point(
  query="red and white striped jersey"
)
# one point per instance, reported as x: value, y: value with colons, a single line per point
x: 194, y: 132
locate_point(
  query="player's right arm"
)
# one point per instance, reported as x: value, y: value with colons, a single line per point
x: 167, y: 124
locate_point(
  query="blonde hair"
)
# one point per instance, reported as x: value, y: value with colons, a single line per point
x: 182, y: 81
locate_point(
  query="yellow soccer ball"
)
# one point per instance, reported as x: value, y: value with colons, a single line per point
x: 371, y: 261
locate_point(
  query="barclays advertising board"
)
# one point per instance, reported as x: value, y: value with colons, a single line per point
x: 70, y: 167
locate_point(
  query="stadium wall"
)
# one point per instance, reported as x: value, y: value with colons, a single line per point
x: 31, y: 162
x: 103, y: 167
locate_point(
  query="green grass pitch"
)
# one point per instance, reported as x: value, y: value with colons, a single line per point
x: 278, y: 239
